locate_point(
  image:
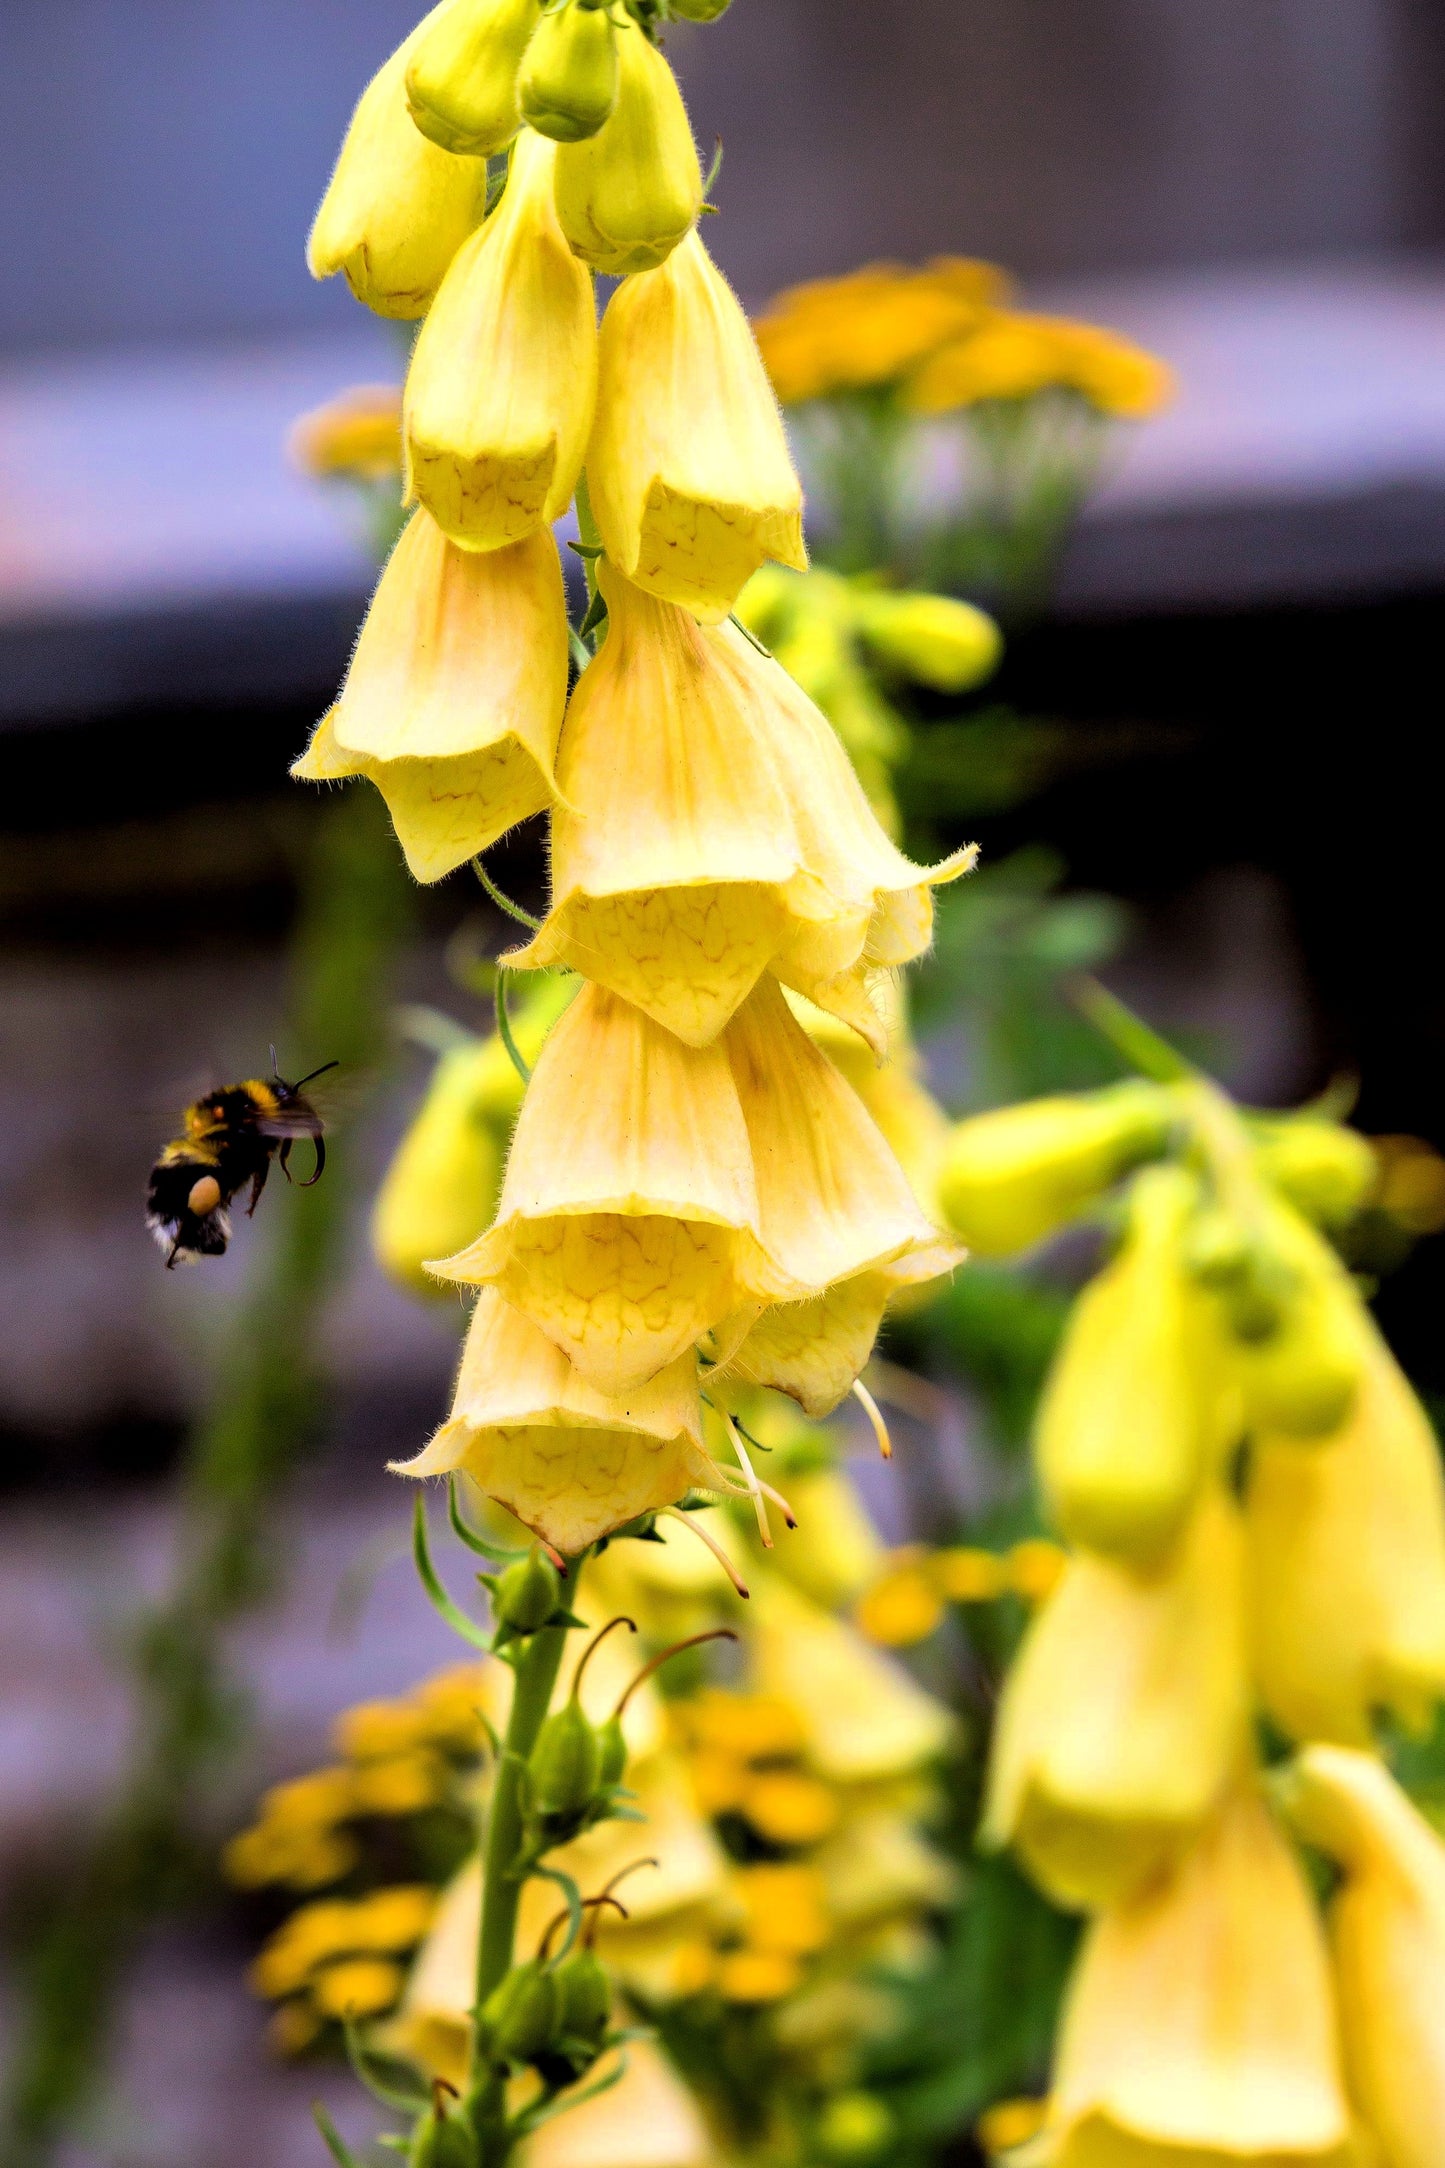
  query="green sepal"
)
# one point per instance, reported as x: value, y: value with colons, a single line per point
x: 335, y: 2144
x: 405, y: 2098
x: 467, y: 1629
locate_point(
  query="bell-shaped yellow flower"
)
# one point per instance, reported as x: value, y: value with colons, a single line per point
x: 455, y: 695
x: 1347, y: 1566
x: 893, y: 1090
x: 1019, y: 1173
x: 645, y: 1232
x: 835, y: 1552
x: 691, y: 479
x: 568, y: 82
x: 1125, y: 1715
x: 440, y: 1190
x: 934, y: 639
x: 500, y: 394
x: 863, y: 1719
x: 835, y: 1208
x: 648, y: 2119
x: 1130, y: 1411
x: 569, y: 1462
x: 627, y: 195
x: 461, y: 78
x: 396, y: 209
x: 1387, y: 1934
x: 1198, y: 2030
x: 712, y: 829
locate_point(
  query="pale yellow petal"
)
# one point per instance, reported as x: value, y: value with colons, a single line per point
x: 863, y: 1717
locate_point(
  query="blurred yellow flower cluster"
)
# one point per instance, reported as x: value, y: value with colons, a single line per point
x: 945, y: 337
x: 1256, y: 1510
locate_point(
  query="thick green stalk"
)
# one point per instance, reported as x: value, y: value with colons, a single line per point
x: 536, y: 1674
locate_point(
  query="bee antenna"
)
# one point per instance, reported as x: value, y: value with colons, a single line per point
x: 275, y: 1071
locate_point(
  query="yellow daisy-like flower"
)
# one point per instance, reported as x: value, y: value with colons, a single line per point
x: 1016, y: 356
x: 358, y: 434
x: 873, y: 325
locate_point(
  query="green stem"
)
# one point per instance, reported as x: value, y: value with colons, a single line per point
x: 588, y: 532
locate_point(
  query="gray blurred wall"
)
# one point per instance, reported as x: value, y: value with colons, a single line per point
x: 159, y: 159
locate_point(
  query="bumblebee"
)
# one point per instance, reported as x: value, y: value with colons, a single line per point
x: 230, y: 1138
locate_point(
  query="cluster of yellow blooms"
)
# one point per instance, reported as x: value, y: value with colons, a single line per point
x: 1255, y: 1506
x: 943, y: 338
x: 779, y: 1816
x: 723, y: 1197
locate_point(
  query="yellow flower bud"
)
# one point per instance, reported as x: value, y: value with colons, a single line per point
x: 568, y: 81
x: 1198, y: 2029
x: 940, y: 642
x: 1125, y: 1715
x: 461, y: 79
x: 572, y: 1464
x: 1325, y: 1170
x: 500, y: 395
x: 1302, y: 1377
x: 711, y: 829
x: 1347, y: 1566
x: 1129, y: 1415
x: 1387, y: 1933
x: 1013, y: 1176
x: 627, y: 195
x: 455, y: 695
x: 396, y: 209
x: 691, y: 479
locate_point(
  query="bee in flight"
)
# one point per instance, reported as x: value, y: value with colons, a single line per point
x: 230, y: 1138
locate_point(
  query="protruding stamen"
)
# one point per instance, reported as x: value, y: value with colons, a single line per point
x: 675, y: 1513
x: 605, y: 1897
x: 755, y: 1488
x: 874, y: 1414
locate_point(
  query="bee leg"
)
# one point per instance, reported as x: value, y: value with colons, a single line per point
x: 171, y: 1259
x: 258, y: 1183
x: 318, y: 1145
x: 282, y: 1156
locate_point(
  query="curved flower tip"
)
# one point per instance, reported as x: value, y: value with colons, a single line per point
x: 396, y: 209
x: 714, y: 829
x: 571, y: 1463
x: 691, y: 479
x: 500, y: 396
x: 1199, y: 2017
x: 454, y: 699
x: 644, y: 1234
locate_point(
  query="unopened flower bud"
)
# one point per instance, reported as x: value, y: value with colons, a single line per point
x: 461, y: 82
x: 568, y: 82
x: 1325, y: 1170
x: 527, y: 1594
x: 566, y: 1764
x: 612, y: 1753
x: 943, y: 643
x: 1013, y: 1176
x: 519, y: 2017
x: 1301, y: 1374
x: 626, y: 196
x: 396, y: 209
x: 442, y: 2141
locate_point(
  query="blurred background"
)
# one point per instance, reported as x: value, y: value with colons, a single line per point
x: 1229, y: 803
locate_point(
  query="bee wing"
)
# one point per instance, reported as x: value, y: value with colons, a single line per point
x: 326, y: 1106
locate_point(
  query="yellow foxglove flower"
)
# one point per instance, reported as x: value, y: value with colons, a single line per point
x: 454, y: 699
x: 1198, y: 2030
x: 1129, y: 1413
x: 628, y: 194
x: 1387, y: 1933
x: 440, y: 1190
x: 1125, y: 1715
x: 500, y: 395
x: 1347, y: 1566
x: 568, y: 83
x: 934, y: 639
x: 645, y: 1232
x: 835, y: 1553
x: 396, y: 209
x: 1325, y: 1170
x: 892, y: 1090
x: 691, y: 479
x: 1301, y: 1379
x: 648, y: 2119
x: 570, y: 1463
x: 863, y: 1719
x: 835, y: 1208
x: 461, y: 78
x: 712, y: 828
x: 1015, y: 1175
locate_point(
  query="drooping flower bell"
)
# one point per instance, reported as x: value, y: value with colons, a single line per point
x: 627, y: 195
x: 1125, y: 1715
x: 396, y: 209
x: 455, y: 695
x: 1013, y: 1176
x: 571, y: 1463
x: 712, y: 828
x: 691, y: 480
x: 1198, y: 2028
x: 500, y: 394
x: 461, y: 77
x: 1131, y: 1409
x: 1346, y: 1541
x: 1387, y: 1937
